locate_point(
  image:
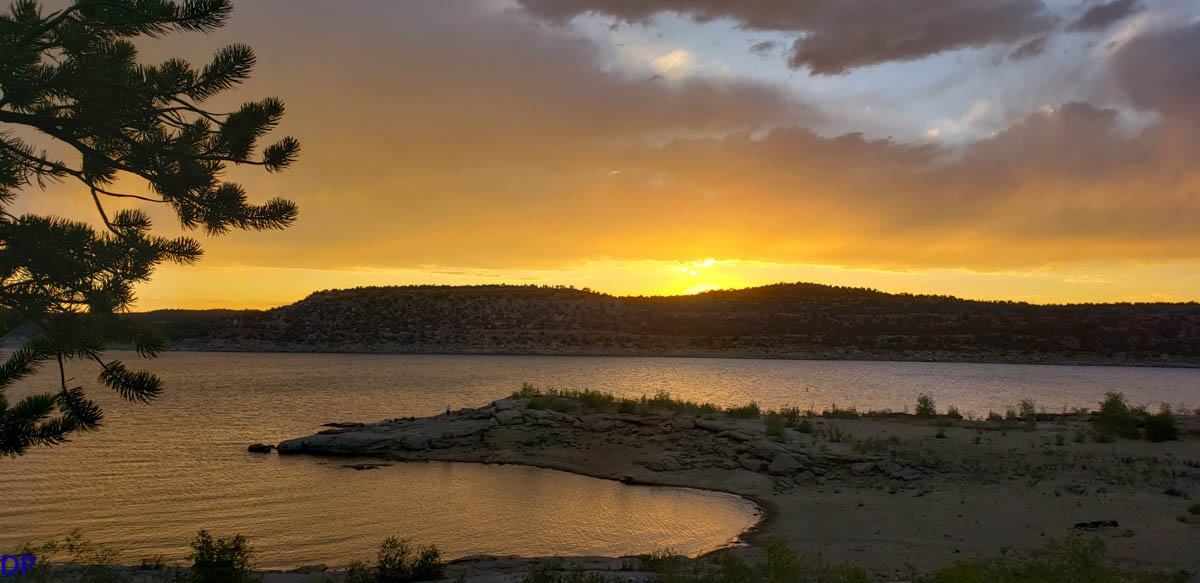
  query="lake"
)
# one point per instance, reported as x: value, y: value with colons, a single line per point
x: 155, y: 474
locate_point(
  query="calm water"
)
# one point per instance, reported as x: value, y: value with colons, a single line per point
x: 156, y: 474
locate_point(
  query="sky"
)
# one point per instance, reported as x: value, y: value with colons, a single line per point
x: 1045, y: 151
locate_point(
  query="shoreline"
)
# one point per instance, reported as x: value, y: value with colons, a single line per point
x: 933, y: 357
x: 840, y: 488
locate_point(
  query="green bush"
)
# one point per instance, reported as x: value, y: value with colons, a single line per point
x: 596, y: 400
x: 527, y: 391
x: 1073, y: 560
x: 925, y: 406
x: 995, y: 417
x: 779, y: 564
x: 1028, y: 412
x: 627, y: 406
x: 776, y: 425
x: 876, y: 444
x: 791, y: 415
x: 220, y: 560
x: 398, y: 562
x: 804, y: 426
x: 952, y: 413
x: 540, y: 402
x: 1115, y: 418
x: 835, y: 413
x: 750, y: 411
x: 1161, y: 426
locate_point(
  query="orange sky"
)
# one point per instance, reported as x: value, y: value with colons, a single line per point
x: 522, y: 142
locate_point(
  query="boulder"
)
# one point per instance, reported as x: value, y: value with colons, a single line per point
x: 751, y: 463
x: 506, y: 404
x: 862, y: 468
x: 509, y: 416
x: 259, y: 448
x: 784, y: 464
x: 598, y: 424
x: 762, y: 450
x: 664, y: 465
x: 735, y: 435
x: 684, y: 424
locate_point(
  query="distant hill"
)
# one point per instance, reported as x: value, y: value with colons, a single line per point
x: 799, y: 320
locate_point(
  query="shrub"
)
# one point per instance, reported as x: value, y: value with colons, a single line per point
x: 941, y: 431
x: 781, y: 564
x: 357, y: 572
x: 553, y: 571
x: 397, y: 562
x: 1194, y: 509
x: 804, y: 426
x: 1073, y: 560
x: 791, y: 415
x: 596, y: 400
x: 540, y: 402
x: 836, y: 435
x: 995, y: 417
x: 527, y: 391
x: 627, y: 406
x: 1161, y: 426
x: 750, y: 411
x: 925, y: 406
x: 776, y: 425
x: 1028, y: 412
x: 1115, y: 418
x: 835, y: 413
x: 220, y: 560
x: 952, y: 413
x: 876, y: 444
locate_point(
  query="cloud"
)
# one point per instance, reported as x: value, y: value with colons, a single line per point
x: 674, y: 64
x: 840, y: 35
x: 447, y: 134
x: 764, y: 48
x: 1030, y: 49
x: 1160, y: 70
x: 1101, y: 16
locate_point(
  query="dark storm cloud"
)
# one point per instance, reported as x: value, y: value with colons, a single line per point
x: 1160, y: 71
x: 840, y: 35
x: 1101, y: 16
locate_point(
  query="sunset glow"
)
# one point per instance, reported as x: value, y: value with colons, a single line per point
x: 675, y: 150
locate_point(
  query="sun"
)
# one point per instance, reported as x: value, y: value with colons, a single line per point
x: 700, y: 288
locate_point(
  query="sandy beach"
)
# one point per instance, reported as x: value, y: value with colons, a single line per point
x: 894, y: 494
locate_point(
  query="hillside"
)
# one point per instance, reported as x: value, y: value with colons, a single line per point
x: 774, y: 321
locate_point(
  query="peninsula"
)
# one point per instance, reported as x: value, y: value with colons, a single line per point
x: 894, y: 493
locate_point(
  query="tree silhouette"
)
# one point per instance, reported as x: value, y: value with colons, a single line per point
x: 72, y: 76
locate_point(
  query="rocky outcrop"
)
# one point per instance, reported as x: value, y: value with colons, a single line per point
x: 664, y: 446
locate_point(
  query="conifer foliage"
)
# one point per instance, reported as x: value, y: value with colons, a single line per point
x: 70, y: 82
